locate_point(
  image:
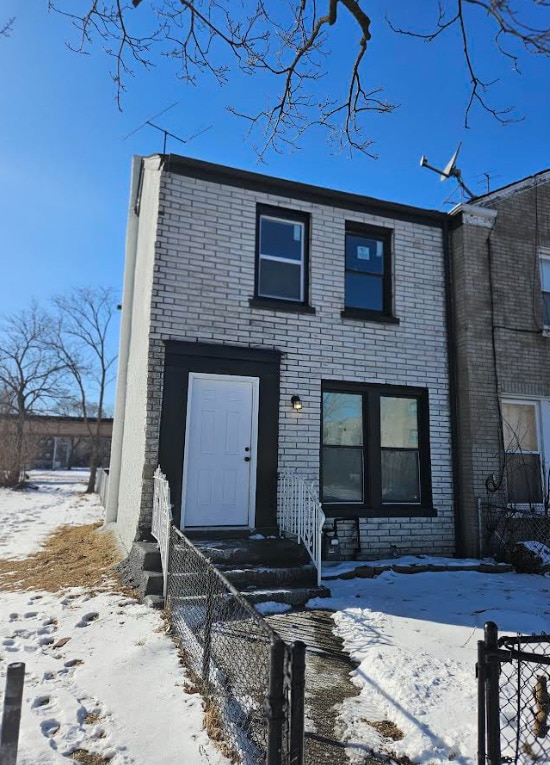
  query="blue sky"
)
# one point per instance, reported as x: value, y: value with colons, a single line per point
x: 64, y: 166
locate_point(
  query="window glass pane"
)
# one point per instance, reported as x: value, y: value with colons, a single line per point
x: 546, y: 308
x: 398, y: 422
x: 523, y: 478
x: 342, y: 474
x: 342, y: 419
x: 281, y: 238
x: 400, y: 476
x: 280, y: 280
x: 363, y: 291
x: 545, y: 273
x: 520, y: 429
x: 364, y: 254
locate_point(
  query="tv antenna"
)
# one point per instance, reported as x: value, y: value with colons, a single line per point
x: 165, y: 132
x: 450, y: 171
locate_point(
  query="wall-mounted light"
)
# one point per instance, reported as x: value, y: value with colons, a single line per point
x: 296, y: 402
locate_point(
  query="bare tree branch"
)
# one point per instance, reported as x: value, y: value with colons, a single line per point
x: 7, y: 29
x: 510, y: 28
x: 79, y: 340
x: 30, y: 378
x: 286, y: 44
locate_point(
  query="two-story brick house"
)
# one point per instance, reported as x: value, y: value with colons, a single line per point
x: 500, y: 246
x: 266, y: 325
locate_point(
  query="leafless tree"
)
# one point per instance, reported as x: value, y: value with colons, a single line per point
x: 7, y: 27
x: 79, y: 339
x: 30, y: 379
x: 288, y: 43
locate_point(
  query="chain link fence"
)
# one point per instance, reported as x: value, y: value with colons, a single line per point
x: 503, y: 527
x: 514, y: 698
x: 252, y: 681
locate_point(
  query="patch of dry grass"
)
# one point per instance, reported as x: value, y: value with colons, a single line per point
x: 387, y: 729
x: 73, y: 556
x: 89, y: 758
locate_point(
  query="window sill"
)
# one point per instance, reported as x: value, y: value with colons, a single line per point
x: 358, y: 314
x: 387, y: 511
x: 265, y: 304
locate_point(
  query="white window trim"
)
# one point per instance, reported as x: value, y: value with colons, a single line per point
x: 278, y: 259
x: 542, y: 424
x: 544, y: 254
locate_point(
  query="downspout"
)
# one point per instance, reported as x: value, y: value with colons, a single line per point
x: 453, y: 389
x: 111, y: 510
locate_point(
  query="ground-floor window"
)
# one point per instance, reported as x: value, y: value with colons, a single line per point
x: 524, y: 437
x: 375, y: 447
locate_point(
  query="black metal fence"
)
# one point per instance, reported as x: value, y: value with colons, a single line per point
x: 513, y: 698
x: 503, y: 526
x: 253, y: 682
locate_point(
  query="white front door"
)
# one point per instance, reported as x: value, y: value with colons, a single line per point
x: 219, y: 469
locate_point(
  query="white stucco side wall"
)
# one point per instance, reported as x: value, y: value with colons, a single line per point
x: 131, y: 411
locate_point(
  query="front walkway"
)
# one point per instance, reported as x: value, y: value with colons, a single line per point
x: 327, y: 683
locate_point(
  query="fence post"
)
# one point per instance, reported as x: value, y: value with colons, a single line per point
x: 297, y: 701
x: 275, y: 703
x: 492, y: 670
x: 207, y: 647
x: 15, y: 679
x: 480, y: 673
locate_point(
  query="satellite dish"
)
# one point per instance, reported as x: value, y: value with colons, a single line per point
x: 450, y: 167
x: 450, y: 171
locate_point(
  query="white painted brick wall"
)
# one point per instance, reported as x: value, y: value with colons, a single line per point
x: 204, y: 278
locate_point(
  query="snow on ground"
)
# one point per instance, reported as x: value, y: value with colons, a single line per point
x: 101, y: 674
x: 28, y: 517
x: 415, y: 638
x: 411, y: 561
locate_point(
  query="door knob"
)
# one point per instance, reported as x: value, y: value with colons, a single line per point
x: 247, y: 459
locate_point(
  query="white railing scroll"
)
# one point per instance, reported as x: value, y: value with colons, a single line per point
x: 300, y: 514
x: 162, y: 519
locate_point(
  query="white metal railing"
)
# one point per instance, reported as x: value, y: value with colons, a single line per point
x: 102, y: 484
x: 162, y: 519
x: 300, y: 513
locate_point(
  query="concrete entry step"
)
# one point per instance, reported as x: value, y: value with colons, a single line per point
x: 245, y: 577
x: 265, y: 569
x: 271, y: 551
x: 292, y: 596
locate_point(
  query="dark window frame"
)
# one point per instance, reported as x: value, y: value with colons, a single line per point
x: 372, y: 505
x: 386, y: 236
x: 284, y: 214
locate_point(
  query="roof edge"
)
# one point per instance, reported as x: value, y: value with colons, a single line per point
x: 207, y: 171
x: 513, y: 188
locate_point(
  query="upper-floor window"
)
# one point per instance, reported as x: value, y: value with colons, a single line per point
x: 282, y: 254
x: 368, y: 269
x: 545, y: 285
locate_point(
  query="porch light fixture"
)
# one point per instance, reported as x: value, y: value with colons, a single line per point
x: 296, y: 402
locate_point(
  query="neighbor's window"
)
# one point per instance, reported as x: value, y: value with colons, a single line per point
x: 375, y: 447
x: 368, y: 269
x: 545, y: 286
x: 523, y: 457
x: 282, y: 243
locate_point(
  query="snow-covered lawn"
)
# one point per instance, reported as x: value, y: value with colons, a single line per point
x: 102, y: 676
x: 415, y: 637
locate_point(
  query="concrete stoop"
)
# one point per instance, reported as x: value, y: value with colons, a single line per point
x: 142, y: 570
x: 263, y: 570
